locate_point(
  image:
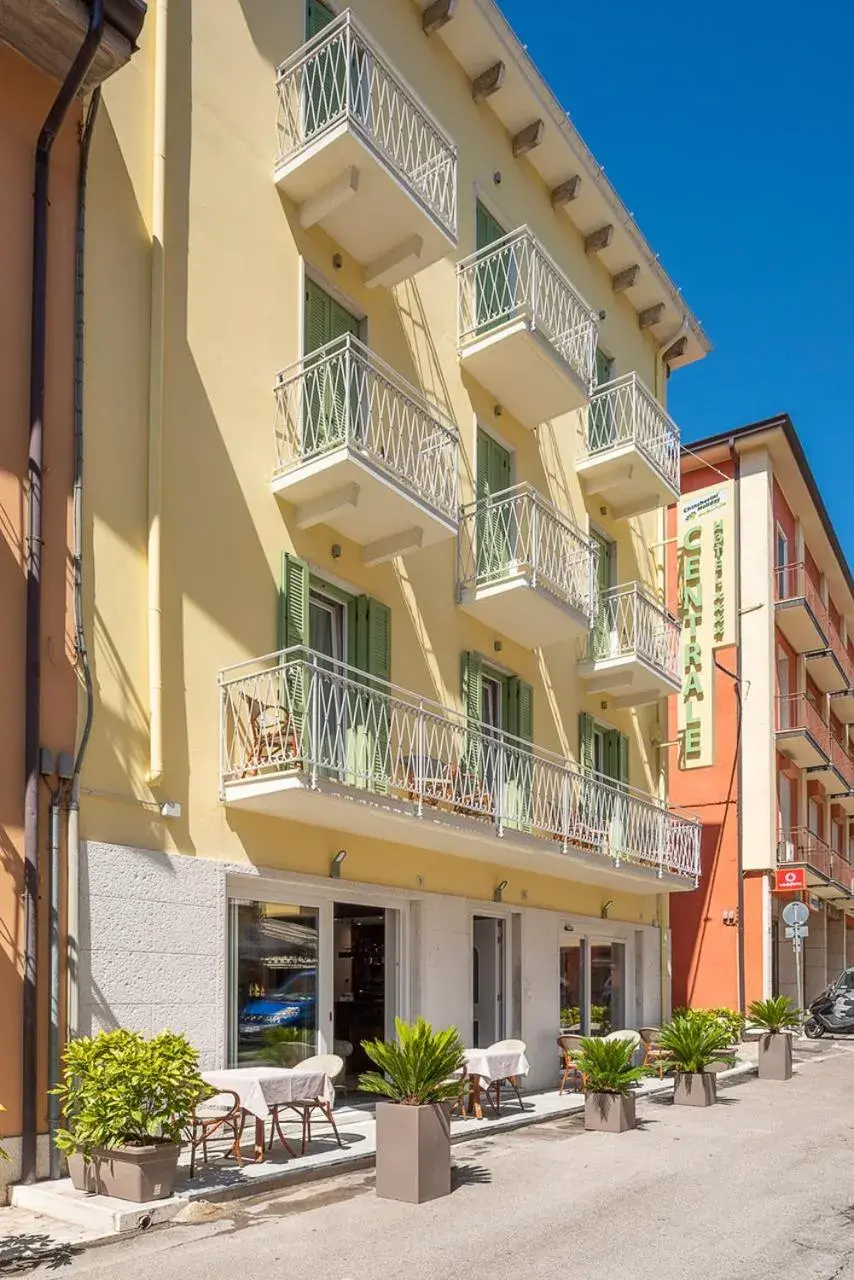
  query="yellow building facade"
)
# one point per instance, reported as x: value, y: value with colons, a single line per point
x: 377, y: 461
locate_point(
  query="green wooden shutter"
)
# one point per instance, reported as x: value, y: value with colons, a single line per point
x: 519, y: 713
x: 318, y: 16
x: 612, y: 755
x: 519, y: 702
x: 604, y: 367
x: 472, y: 688
x: 379, y: 640
x: 293, y: 602
x: 369, y: 650
x: 325, y: 401
x: 317, y: 318
x: 487, y: 228
x: 585, y: 741
x: 603, y: 626
x: 603, y: 422
x: 624, y: 759
x: 494, y: 534
x: 492, y: 282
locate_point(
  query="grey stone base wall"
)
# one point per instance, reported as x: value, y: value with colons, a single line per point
x: 153, y: 945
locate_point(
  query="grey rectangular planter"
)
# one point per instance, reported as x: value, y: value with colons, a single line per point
x: 695, y: 1090
x: 413, y: 1152
x: 775, y: 1056
x: 138, y: 1174
x: 609, y: 1112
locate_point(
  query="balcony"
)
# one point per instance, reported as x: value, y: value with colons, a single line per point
x: 800, y: 612
x: 525, y: 334
x: 524, y: 569
x: 632, y: 652
x: 359, y: 449
x: 844, y: 766
x: 842, y: 705
x: 49, y: 33
x: 629, y: 451
x: 361, y: 157
x: 826, y: 670
x: 804, y: 736
x: 306, y: 738
x: 829, y: 875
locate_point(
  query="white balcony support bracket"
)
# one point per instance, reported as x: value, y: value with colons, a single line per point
x: 329, y: 198
x: 318, y: 510
x: 600, y: 684
x: 397, y: 544
x: 396, y: 265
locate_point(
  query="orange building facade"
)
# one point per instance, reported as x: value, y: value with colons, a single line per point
x: 761, y: 736
x: 38, y: 45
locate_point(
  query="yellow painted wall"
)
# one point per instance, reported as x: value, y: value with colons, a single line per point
x: 234, y: 262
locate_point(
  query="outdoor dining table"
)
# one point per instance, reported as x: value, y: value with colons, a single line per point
x: 262, y: 1089
x: 485, y: 1066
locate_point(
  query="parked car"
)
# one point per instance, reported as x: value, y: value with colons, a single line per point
x: 290, y: 1005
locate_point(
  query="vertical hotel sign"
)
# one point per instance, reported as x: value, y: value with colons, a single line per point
x: 706, y: 569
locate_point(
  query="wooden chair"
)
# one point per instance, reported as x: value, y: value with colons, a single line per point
x: 458, y: 1104
x: 570, y: 1052
x: 329, y: 1064
x: 493, y: 1090
x: 222, y: 1112
x: 653, y: 1054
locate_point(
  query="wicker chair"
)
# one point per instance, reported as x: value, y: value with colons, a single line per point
x: 653, y: 1054
x: 221, y: 1114
x: 570, y: 1051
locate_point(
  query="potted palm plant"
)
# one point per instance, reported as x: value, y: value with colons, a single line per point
x: 691, y: 1046
x: 125, y: 1103
x: 416, y: 1075
x: 776, y: 1017
x: 607, y: 1069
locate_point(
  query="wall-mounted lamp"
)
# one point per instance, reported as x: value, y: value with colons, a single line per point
x: 496, y: 177
x: 335, y: 864
x: 498, y: 410
x: 569, y: 928
x: 498, y: 891
x: 337, y: 261
x: 498, y: 645
x: 603, y: 315
x: 606, y: 908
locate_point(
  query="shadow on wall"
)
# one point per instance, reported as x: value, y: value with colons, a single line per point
x: 692, y: 921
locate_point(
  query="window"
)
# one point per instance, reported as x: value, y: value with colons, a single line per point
x: 606, y: 639
x: 782, y: 549
x: 495, y: 279
x: 491, y: 702
x: 602, y: 750
x: 496, y: 514
x: 318, y: 15
x: 814, y: 816
x: 604, y: 367
x: 274, y: 980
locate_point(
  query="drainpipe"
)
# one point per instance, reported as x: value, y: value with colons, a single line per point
x: 155, y: 400
x: 72, y: 904
x: 53, y: 1028
x: 32, y: 688
x: 742, y: 977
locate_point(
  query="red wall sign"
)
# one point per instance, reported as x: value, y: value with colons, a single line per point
x: 790, y: 879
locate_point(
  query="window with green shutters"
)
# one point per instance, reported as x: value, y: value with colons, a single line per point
x: 603, y: 420
x: 351, y: 729
x: 329, y: 413
x: 495, y: 279
x: 495, y: 523
x: 602, y: 750
x: 604, y: 627
x: 490, y: 758
x: 318, y: 16
x: 324, y: 86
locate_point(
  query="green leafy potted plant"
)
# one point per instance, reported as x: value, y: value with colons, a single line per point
x: 691, y: 1045
x: 413, y: 1128
x: 125, y: 1102
x: 776, y: 1017
x: 606, y: 1066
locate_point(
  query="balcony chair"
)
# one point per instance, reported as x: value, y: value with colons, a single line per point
x: 273, y: 737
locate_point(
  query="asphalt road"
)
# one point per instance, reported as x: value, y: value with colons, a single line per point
x: 761, y: 1185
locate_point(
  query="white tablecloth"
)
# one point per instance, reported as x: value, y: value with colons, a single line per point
x: 495, y: 1064
x: 262, y: 1088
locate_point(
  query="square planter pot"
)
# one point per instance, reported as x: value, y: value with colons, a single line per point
x: 413, y: 1152
x: 609, y: 1112
x: 695, y: 1090
x: 775, y: 1056
x: 138, y: 1174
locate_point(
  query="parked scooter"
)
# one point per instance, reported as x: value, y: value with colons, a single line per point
x: 833, y: 1010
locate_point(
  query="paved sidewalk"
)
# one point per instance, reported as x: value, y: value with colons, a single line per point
x: 760, y: 1186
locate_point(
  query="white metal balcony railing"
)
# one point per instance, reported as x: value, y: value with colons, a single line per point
x: 630, y: 622
x: 298, y: 712
x: 515, y: 278
x: 625, y: 411
x: 519, y: 531
x: 343, y: 394
x: 341, y: 76
x: 804, y: 846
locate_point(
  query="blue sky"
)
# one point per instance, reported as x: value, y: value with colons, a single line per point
x: 731, y: 139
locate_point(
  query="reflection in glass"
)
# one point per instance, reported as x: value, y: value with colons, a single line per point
x: 607, y: 987
x: 572, y: 987
x: 274, y: 983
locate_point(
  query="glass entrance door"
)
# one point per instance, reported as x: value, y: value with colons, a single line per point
x: 274, y: 983
x: 488, y: 968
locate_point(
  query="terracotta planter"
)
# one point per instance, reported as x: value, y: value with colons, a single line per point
x: 413, y: 1152
x: 697, y: 1089
x: 775, y: 1056
x: 609, y: 1112
x: 138, y: 1174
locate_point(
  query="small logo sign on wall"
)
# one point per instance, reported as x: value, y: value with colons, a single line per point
x: 790, y: 879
